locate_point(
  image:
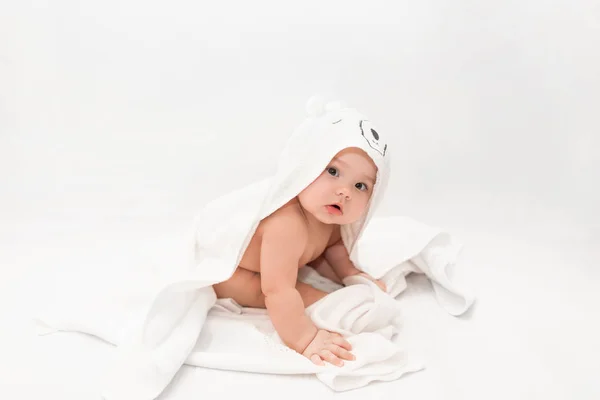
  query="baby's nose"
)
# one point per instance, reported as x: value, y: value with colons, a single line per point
x: 343, y: 191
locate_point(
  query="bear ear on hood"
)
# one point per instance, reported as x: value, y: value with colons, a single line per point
x: 318, y: 105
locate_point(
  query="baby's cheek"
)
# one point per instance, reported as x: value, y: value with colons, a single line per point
x: 364, y: 205
x: 365, y: 199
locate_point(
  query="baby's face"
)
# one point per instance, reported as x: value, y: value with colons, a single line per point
x: 341, y: 193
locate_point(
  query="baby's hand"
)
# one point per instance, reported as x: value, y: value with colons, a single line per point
x: 377, y: 281
x: 330, y: 347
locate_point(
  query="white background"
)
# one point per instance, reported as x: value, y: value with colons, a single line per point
x: 119, y: 119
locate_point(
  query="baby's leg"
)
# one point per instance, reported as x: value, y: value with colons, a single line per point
x: 324, y: 269
x: 244, y: 287
x: 309, y: 294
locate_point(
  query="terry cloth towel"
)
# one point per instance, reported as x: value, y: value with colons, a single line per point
x: 166, y: 322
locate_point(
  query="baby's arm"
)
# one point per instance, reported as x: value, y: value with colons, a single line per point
x: 283, y: 243
x: 337, y: 256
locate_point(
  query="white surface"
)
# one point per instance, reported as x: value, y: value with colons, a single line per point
x: 121, y: 118
x: 532, y: 334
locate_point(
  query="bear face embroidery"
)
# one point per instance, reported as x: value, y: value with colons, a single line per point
x: 372, y: 137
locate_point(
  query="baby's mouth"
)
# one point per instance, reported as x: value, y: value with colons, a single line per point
x: 334, y: 209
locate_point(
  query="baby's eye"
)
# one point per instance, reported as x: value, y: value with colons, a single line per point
x: 332, y: 171
x: 361, y: 186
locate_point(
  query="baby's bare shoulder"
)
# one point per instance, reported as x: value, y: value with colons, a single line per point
x: 288, y: 221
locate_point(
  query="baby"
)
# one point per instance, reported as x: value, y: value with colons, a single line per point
x: 305, y: 231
